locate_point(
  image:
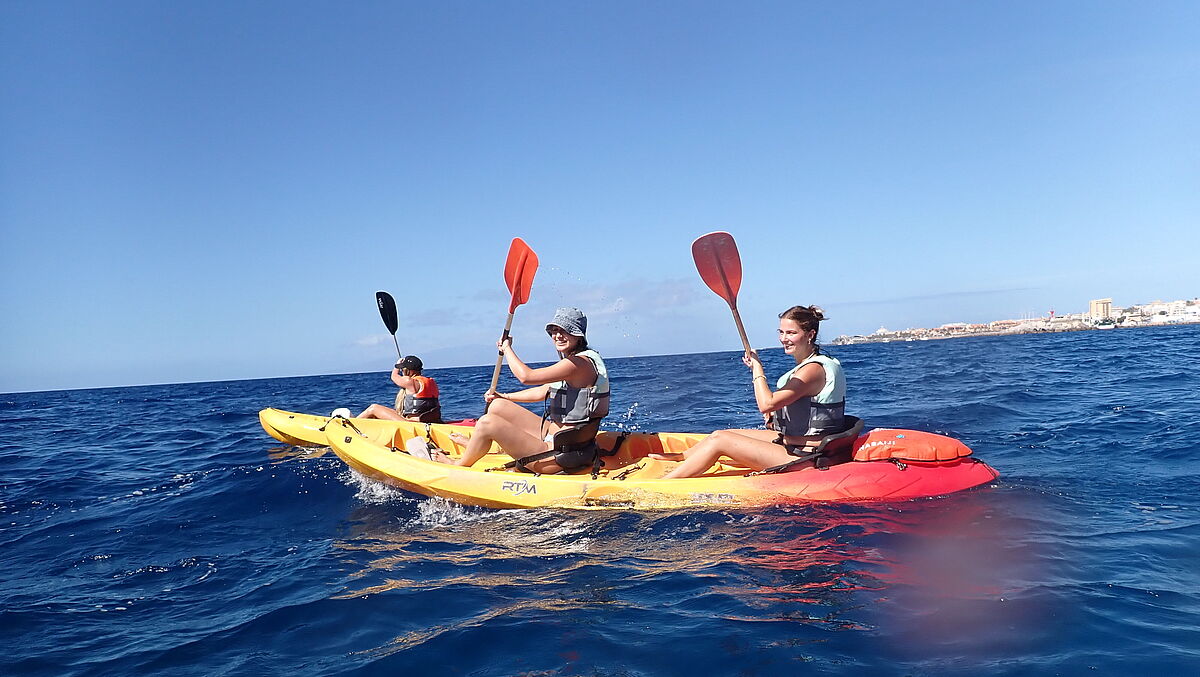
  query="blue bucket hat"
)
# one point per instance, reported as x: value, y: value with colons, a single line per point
x: 570, y: 320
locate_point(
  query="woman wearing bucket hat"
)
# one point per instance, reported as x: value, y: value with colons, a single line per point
x: 575, y: 390
x: 420, y: 395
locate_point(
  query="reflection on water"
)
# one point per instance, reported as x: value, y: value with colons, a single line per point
x: 796, y: 565
x: 919, y: 576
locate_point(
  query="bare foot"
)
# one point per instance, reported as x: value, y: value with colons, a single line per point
x: 459, y: 438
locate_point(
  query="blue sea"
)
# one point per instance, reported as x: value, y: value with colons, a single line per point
x: 159, y: 531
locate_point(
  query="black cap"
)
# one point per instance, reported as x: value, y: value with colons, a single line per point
x: 410, y: 362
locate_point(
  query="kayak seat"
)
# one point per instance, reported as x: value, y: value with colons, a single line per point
x: 573, y: 449
x: 576, y: 436
x: 841, y: 443
x: 830, y: 450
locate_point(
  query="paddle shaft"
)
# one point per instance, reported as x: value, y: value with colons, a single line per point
x: 730, y: 296
x: 500, y: 357
x: 741, y: 330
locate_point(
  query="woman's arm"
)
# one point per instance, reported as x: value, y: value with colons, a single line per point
x: 805, y: 383
x: 403, y: 381
x: 528, y: 395
x: 574, y: 370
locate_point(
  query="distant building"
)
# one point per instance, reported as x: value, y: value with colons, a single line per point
x: 1101, y: 315
x: 1100, y: 309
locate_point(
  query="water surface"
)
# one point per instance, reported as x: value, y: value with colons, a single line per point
x: 158, y: 530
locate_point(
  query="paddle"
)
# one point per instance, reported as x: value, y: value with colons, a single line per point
x: 387, y: 311
x: 522, y: 263
x: 720, y: 267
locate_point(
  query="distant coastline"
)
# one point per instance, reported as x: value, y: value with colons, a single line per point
x: 1100, y: 316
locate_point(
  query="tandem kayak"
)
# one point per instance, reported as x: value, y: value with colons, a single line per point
x: 887, y: 465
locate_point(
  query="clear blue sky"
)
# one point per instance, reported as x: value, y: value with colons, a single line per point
x: 215, y: 190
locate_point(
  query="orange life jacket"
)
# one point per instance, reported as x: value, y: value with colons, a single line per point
x: 426, y: 387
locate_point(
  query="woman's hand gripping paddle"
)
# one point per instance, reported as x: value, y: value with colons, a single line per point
x: 522, y: 263
x: 720, y: 267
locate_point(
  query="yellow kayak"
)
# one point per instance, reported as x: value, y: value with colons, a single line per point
x: 307, y: 430
x: 889, y: 465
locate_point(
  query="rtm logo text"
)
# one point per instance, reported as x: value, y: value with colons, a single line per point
x: 519, y: 487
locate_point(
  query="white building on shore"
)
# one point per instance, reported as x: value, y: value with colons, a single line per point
x: 1100, y: 309
x: 1101, y: 315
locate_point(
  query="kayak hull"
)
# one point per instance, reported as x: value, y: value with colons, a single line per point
x: 632, y: 480
x: 307, y: 430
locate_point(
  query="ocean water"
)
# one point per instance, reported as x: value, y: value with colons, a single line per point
x: 158, y: 531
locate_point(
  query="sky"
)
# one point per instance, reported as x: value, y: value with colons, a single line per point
x: 216, y: 190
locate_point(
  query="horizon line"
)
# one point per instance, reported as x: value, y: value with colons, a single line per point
x: 343, y: 373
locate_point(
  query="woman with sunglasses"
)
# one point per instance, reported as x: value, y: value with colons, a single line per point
x: 575, y: 390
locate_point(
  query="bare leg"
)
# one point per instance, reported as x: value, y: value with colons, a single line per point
x: 380, y: 411
x: 514, y: 427
x: 513, y: 413
x: 752, y: 448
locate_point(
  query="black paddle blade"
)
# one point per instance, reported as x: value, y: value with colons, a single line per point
x: 387, y: 310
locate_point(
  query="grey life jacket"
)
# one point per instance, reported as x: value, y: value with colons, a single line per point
x: 568, y: 405
x: 414, y: 406
x: 821, y: 414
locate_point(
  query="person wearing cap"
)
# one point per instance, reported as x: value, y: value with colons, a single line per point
x: 809, y: 403
x: 576, y: 395
x: 418, y: 400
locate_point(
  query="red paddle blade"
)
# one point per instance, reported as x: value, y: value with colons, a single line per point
x: 719, y: 264
x: 519, y: 269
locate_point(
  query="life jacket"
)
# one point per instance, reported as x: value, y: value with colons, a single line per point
x: 579, y: 411
x: 568, y: 405
x: 821, y: 414
x: 424, y: 400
